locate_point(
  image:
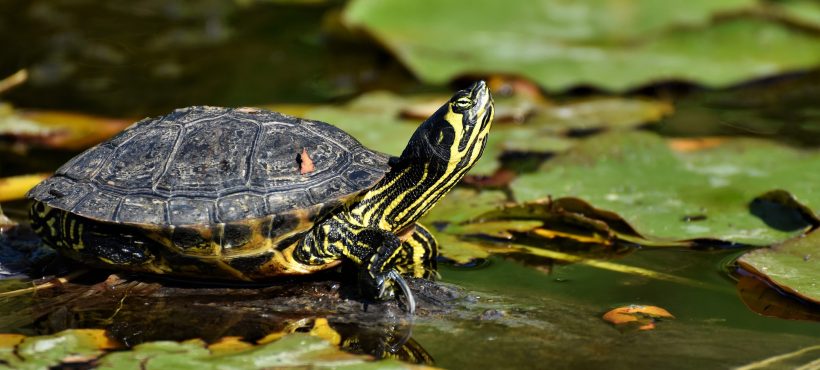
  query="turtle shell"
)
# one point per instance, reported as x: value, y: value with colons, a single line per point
x: 236, y: 187
x: 207, y: 165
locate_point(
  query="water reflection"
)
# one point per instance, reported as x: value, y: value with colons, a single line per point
x: 137, y: 312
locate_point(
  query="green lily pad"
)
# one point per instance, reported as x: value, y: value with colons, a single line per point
x: 463, y: 204
x: 82, y: 346
x: 459, y: 206
x: 671, y: 196
x: 385, y: 121
x: 48, y: 351
x: 295, y: 350
x: 374, y: 119
x: 804, y: 12
x: 615, y: 45
x: 600, y: 113
x: 794, y: 266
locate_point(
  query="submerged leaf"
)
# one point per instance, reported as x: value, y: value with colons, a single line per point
x: 793, y: 266
x: 760, y: 297
x: 615, y: 45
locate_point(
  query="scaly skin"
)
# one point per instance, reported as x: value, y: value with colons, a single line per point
x: 378, y: 228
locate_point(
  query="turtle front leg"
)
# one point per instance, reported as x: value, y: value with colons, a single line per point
x: 414, y: 256
x: 418, y: 254
x: 382, y: 255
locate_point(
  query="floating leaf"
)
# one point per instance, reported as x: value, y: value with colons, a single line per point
x: 14, y: 80
x: 57, y: 130
x: 602, y: 113
x: 462, y: 204
x: 15, y: 187
x: 674, y: 196
x: 793, y: 266
x: 458, y: 206
x: 295, y: 350
x: 615, y: 45
x: 643, y: 316
x: 69, y: 346
x: 803, y: 12
x: 384, y: 121
x: 574, y: 219
x: 803, y: 358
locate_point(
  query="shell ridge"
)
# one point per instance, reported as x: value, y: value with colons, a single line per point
x: 117, y: 208
x: 82, y: 198
x: 177, y: 142
x: 99, y: 168
x: 254, y: 151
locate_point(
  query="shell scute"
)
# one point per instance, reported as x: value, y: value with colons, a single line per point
x: 211, y: 156
x: 190, y: 211
x: 137, y: 163
x: 102, y: 205
x: 239, y: 207
x: 142, y: 209
x: 85, y: 165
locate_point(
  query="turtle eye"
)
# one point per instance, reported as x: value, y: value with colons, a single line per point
x: 463, y: 103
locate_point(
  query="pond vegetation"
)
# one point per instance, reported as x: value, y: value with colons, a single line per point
x: 648, y: 196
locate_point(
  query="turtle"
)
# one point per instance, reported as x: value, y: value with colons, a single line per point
x: 247, y: 194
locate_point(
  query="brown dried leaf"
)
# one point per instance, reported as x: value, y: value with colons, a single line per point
x: 305, y: 163
x: 643, y: 316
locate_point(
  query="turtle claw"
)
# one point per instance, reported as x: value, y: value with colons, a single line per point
x: 405, y: 289
x: 380, y: 286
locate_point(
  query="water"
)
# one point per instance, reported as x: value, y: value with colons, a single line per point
x: 157, y: 55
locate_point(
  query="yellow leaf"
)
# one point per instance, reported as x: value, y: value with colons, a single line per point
x: 10, y: 340
x: 15, y: 187
x: 229, y: 345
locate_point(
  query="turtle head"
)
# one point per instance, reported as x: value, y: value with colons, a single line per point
x: 455, y: 135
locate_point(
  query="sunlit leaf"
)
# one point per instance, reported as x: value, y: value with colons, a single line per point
x: 642, y: 316
x: 15, y: 187
x: 803, y: 12
x: 69, y: 346
x: 57, y: 130
x: 385, y: 122
x: 615, y: 45
x: 602, y: 113
x: 458, y: 206
x: 802, y: 358
x: 673, y: 196
x: 295, y: 350
x: 13, y: 80
x: 793, y: 266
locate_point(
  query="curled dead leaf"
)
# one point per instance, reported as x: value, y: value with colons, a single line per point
x: 642, y: 316
x: 305, y: 163
x: 694, y: 144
